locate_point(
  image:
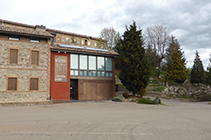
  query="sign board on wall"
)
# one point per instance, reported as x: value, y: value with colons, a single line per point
x: 60, y: 69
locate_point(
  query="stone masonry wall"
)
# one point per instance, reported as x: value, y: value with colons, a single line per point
x: 24, y: 70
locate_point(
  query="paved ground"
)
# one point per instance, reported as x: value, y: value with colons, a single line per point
x: 108, y: 121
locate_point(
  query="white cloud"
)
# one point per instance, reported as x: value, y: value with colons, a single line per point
x: 188, y: 20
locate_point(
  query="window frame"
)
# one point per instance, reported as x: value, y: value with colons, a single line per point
x: 38, y: 84
x: 13, y: 48
x: 17, y: 77
x: 34, y: 40
x: 90, y: 72
x: 14, y: 37
x: 37, y: 50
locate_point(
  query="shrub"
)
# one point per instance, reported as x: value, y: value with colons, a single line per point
x: 132, y: 100
x: 145, y: 101
x: 117, y: 99
x: 120, y: 85
x: 126, y: 95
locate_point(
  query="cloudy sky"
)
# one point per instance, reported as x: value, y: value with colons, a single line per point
x: 188, y: 20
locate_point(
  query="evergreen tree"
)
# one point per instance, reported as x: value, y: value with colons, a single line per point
x: 173, y: 45
x: 176, y: 71
x: 197, y: 71
x: 208, y: 74
x: 132, y: 60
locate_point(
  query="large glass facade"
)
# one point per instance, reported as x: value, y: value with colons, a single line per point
x: 89, y: 65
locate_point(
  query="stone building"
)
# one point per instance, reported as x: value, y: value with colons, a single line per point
x: 37, y: 64
x: 24, y: 62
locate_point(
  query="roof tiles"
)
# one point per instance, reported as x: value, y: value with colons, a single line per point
x: 24, y: 31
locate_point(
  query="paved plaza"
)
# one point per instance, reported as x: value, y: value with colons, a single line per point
x: 106, y: 120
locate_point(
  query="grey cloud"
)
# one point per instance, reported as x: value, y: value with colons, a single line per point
x: 188, y: 20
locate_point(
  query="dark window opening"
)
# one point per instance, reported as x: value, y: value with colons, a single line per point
x: 14, y: 37
x: 86, y: 42
x: 33, y: 39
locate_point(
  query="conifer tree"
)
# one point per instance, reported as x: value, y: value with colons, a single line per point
x: 176, y: 71
x: 208, y: 73
x: 197, y: 71
x: 173, y: 45
x: 132, y: 60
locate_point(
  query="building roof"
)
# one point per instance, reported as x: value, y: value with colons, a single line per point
x: 16, y: 23
x: 73, y: 34
x: 24, y: 31
x: 48, y: 29
x: 82, y: 50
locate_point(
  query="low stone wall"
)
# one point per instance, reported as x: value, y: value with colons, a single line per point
x: 200, y: 93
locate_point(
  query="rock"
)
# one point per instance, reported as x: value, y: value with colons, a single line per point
x: 199, y: 93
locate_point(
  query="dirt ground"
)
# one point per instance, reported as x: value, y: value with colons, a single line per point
x: 103, y: 120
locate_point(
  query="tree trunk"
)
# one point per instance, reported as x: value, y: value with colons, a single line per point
x: 159, y: 61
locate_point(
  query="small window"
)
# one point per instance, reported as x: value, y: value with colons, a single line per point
x: 67, y: 39
x: 34, y: 57
x: 13, y: 56
x: 34, y: 39
x: 12, y: 83
x: 86, y: 42
x: 89, y: 43
x: 82, y: 42
x: 58, y: 38
x: 14, y: 37
x: 34, y: 83
x: 95, y: 44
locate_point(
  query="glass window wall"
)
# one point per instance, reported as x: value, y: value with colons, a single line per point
x: 74, y: 61
x: 83, y: 62
x: 88, y: 65
x: 100, y: 63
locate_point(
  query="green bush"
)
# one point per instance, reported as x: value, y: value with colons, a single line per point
x: 145, y: 101
x: 126, y: 95
x: 120, y: 85
x: 186, y: 97
x: 132, y: 100
x: 159, y: 89
x: 117, y: 99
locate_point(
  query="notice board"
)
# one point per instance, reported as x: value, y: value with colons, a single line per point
x: 60, y: 69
